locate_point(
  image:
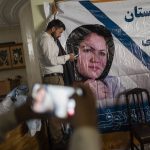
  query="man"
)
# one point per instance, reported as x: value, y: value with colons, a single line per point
x: 51, y: 62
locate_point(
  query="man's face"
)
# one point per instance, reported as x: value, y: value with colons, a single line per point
x: 56, y: 32
x: 92, y: 56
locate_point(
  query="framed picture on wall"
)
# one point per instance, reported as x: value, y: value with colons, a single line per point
x: 17, y: 56
x: 5, y: 60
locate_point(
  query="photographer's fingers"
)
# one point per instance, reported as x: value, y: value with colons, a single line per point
x: 25, y: 112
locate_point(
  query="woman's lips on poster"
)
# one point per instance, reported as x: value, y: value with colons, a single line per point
x: 94, y: 68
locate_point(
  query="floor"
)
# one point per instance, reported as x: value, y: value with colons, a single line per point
x: 18, y: 139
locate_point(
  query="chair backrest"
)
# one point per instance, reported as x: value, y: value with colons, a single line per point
x: 138, y: 106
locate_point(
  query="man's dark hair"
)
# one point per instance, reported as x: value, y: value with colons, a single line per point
x: 55, y: 23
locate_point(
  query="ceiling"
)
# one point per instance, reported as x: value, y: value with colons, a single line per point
x: 9, y: 11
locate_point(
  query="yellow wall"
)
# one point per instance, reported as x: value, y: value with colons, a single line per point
x: 38, y: 14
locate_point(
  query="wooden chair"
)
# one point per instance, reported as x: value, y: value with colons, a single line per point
x: 138, y: 108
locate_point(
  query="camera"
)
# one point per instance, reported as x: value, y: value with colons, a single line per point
x: 54, y: 98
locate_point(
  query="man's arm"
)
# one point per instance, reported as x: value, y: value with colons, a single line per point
x: 48, y: 49
x: 85, y: 136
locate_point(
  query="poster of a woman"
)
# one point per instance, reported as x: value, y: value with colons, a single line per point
x: 95, y: 49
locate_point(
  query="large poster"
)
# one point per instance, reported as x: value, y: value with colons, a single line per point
x: 112, y: 41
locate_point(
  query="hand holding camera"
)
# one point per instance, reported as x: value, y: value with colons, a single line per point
x: 55, y: 99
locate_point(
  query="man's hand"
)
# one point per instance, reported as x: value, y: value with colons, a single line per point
x: 24, y: 112
x: 72, y: 58
x: 85, y: 111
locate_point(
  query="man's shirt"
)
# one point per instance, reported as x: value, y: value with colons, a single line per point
x: 48, y: 51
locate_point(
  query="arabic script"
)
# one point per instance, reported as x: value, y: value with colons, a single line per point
x: 138, y: 12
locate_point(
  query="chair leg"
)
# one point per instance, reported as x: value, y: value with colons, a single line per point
x: 131, y: 144
x: 48, y: 134
x: 142, y: 146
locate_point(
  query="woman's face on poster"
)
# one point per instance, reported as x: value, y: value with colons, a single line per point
x: 92, y: 56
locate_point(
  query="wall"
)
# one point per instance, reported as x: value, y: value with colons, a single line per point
x: 39, y: 20
x: 28, y: 37
x: 9, y: 34
x: 31, y: 21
